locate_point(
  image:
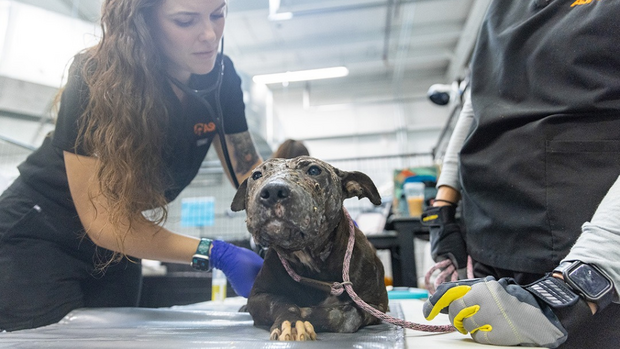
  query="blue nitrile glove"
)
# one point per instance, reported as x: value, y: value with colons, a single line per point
x: 239, y: 264
x: 445, y: 235
x: 496, y: 312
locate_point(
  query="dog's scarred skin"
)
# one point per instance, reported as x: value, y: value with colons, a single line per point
x: 294, y: 207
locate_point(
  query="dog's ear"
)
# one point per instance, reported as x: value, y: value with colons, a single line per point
x: 238, y: 203
x: 359, y: 184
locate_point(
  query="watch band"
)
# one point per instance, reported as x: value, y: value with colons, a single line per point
x: 569, y: 309
x: 553, y: 291
x: 588, y: 281
x: 200, y: 260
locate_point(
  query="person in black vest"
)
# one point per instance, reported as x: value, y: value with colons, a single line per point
x: 131, y: 134
x: 535, y: 162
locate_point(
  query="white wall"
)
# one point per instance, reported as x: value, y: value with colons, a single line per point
x: 36, y: 48
x: 36, y: 45
x: 24, y: 131
x: 359, y: 129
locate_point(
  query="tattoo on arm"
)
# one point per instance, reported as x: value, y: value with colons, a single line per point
x: 243, y: 151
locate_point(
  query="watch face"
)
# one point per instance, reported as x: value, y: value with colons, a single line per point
x: 589, y: 280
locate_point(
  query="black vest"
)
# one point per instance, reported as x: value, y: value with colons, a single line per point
x: 544, y: 147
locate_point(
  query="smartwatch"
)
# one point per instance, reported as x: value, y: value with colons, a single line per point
x: 588, y: 281
x: 200, y: 260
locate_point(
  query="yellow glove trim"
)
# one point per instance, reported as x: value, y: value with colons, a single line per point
x: 465, y: 313
x: 483, y: 328
x: 430, y: 218
x: 448, y: 297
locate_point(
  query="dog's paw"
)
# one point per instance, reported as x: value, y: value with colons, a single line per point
x: 302, y: 331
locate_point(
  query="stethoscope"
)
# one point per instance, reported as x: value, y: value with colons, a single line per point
x: 201, y: 95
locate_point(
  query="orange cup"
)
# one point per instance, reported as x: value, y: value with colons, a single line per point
x: 414, y: 193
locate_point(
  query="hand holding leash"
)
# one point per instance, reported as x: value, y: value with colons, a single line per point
x: 496, y: 312
x: 448, y: 247
x: 445, y: 235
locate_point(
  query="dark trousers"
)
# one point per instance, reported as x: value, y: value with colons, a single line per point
x: 601, y: 331
x: 48, y: 266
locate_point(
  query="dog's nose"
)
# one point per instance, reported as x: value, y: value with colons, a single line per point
x: 273, y: 193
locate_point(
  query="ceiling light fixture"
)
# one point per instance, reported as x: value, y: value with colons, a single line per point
x: 301, y: 75
x: 282, y: 16
x: 274, y: 6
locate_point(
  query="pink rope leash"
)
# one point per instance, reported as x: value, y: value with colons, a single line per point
x: 447, y: 269
x: 337, y: 289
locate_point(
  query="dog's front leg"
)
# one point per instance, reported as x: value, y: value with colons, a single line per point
x: 283, y: 316
x: 338, y: 317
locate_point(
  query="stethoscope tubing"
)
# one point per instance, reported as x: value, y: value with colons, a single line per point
x: 217, y: 113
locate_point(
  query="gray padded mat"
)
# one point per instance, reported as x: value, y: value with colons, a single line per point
x: 202, y: 325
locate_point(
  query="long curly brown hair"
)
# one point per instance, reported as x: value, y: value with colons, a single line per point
x: 124, y: 122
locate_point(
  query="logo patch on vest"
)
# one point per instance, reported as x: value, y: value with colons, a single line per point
x: 202, y: 128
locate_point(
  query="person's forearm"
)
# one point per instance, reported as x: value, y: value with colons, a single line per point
x: 599, y: 242
x: 450, y: 167
x: 446, y: 196
x: 243, y: 155
x: 144, y: 240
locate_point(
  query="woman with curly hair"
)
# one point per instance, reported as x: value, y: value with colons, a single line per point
x: 129, y: 137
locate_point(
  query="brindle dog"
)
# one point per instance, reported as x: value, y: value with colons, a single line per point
x: 295, y: 207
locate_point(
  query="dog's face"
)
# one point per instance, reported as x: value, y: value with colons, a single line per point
x: 291, y: 203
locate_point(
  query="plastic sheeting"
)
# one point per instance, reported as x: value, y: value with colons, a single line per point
x: 201, y: 325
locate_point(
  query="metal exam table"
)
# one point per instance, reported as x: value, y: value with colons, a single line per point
x: 217, y: 325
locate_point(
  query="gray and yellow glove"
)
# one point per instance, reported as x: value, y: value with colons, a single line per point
x: 496, y: 312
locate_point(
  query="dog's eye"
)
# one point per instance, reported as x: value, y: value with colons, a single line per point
x: 314, y: 171
x: 256, y: 175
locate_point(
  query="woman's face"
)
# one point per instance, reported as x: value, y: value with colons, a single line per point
x: 188, y: 33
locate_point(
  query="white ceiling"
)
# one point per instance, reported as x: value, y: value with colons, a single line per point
x: 377, y: 40
x: 394, y: 49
